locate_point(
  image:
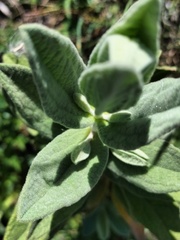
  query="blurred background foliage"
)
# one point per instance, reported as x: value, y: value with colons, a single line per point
x: 84, y: 21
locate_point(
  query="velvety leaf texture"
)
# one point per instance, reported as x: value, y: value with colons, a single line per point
x: 56, y: 66
x: 54, y: 182
x: 48, y: 226
x: 130, y: 157
x: 134, y: 24
x: 157, y: 97
x: 160, y: 216
x: 18, y: 84
x: 114, y: 49
x: 106, y: 85
x: 156, y: 113
x: 162, y: 177
x: 43, y: 229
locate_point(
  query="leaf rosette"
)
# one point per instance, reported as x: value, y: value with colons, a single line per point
x: 106, y: 115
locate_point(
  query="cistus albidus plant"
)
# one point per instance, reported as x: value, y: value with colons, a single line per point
x: 108, y: 125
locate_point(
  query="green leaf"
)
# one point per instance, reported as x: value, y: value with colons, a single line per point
x: 43, y: 229
x: 56, y: 67
x: 160, y: 216
x: 81, y: 152
x: 18, y: 84
x: 139, y: 25
x: 106, y: 85
x: 54, y: 182
x: 121, y: 116
x: 81, y: 101
x: 16, y: 230
x: 50, y: 225
x: 162, y: 177
x: 157, y: 97
x: 156, y: 113
x: 136, y: 157
x: 114, y: 50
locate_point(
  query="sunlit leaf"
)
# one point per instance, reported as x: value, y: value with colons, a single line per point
x: 156, y: 113
x: 56, y: 66
x: 162, y: 177
x: 50, y: 225
x: 114, y: 50
x: 157, y: 97
x: 106, y: 86
x: 54, y: 181
x: 130, y: 157
x: 81, y: 152
x: 139, y: 25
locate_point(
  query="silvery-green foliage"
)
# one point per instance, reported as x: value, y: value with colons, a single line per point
x: 105, y: 116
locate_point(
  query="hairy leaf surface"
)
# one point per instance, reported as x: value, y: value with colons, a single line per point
x: 50, y: 225
x: 56, y: 66
x: 156, y: 113
x: 162, y: 177
x: 18, y: 84
x: 139, y: 25
x: 54, y: 182
x: 130, y: 157
x: 157, y: 97
x: 114, y: 50
x: 106, y: 85
x: 42, y: 229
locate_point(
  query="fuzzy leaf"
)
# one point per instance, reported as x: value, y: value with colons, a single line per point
x: 134, y: 24
x: 56, y: 67
x: 156, y: 113
x: 50, y: 225
x: 157, y: 97
x: 114, y: 50
x: 106, y: 85
x: 121, y: 116
x: 130, y: 157
x: 81, y: 152
x: 162, y: 177
x: 18, y: 84
x: 43, y: 229
x: 164, y: 212
x: 54, y: 182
